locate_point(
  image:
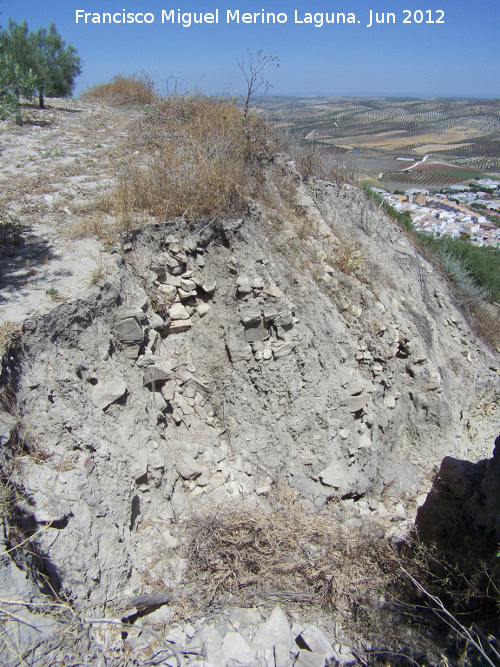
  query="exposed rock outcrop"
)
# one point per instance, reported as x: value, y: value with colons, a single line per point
x: 464, y: 505
x: 303, y: 342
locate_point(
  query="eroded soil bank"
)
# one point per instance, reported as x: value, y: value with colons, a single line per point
x: 298, y: 366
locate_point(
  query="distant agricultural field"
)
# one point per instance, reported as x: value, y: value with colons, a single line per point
x: 431, y: 179
x: 464, y: 132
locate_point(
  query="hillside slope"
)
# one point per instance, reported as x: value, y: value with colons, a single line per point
x: 304, y: 345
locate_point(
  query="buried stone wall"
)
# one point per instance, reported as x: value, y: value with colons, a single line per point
x: 221, y: 359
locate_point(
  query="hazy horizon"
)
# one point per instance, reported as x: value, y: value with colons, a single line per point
x: 445, y: 49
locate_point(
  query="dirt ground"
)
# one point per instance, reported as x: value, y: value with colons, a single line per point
x: 55, y: 171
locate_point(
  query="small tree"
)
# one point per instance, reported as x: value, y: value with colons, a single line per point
x: 56, y: 64
x: 253, y: 70
x: 14, y: 82
x: 15, y: 44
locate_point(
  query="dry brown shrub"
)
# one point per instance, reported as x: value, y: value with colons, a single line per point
x: 285, y: 553
x: 197, y: 161
x: 487, y: 322
x: 124, y: 91
x: 92, y: 225
x: 281, y: 553
x: 313, y: 160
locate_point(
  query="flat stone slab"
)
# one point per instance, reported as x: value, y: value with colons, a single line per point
x: 236, y: 648
x: 275, y: 635
x: 129, y: 330
x: 316, y: 641
x: 355, y: 403
x: 178, y: 312
x: 333, y: 476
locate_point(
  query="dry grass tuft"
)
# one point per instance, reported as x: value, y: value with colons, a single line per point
x: 348, y: 256
x: 10, y: 336
x: 314, y: 565
x: 284, y: 553
x: 198, y: 155
x: 487, y: 322
x: 124, y: 91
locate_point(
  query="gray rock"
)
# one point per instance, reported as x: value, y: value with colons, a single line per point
x: 236, y: 648
x: 238, y: 349
x: 356, y: 387
x: 255, y: 330
x: 187, y: 285
x: 183, y: 405
x: 139, y: 465
x: 7, y: 424
x: 270, y: 315
x: 131, y: 351
x: 317, y: 641
x: 108, y: 392
x: 275, y: 635
x: 274, y: 291
x: 146, y: 360
x: 178, y: 312
x: 159, y: 372
x: 156, y: 322
x: 139, y: 313
x: 334, y: 475
x: 178, y: 326
x: 284, y: 320
x: 173, y: 281
x: 170, y: 291
x: 214, y: 652
x: 283, y: 349
x: 256, y: 283
x: 129, y: 330
x: 168, y: 390
x: 186, y: 295
x: 243, y: 285
x: 188, y: 468
x: 159, y: 402
x: 309, y: 659
x: 170, y: 262
x: 355, y: 403
x: 251, y: 318
x: 209, y: 288
x: 202, y: 309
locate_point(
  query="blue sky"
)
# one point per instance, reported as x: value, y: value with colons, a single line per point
x: 458, y: 57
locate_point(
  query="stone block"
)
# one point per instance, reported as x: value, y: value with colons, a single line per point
x: 129, y: 330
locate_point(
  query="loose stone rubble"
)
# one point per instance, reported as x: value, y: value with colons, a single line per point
x: 213, y: 364
x: 246, y: 637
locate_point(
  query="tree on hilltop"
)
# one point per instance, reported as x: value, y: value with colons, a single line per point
x: 16, y: 75
x: 14, y: 82
x: 53, y: 63
x: 56, y: 64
